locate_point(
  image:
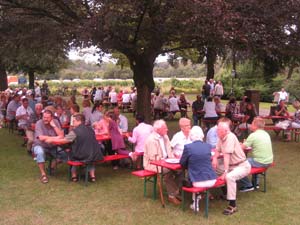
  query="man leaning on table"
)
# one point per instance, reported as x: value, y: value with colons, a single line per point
x: 45, y: 128
x: 157, y: 146
x: 235, y: 165
x: 262, y: 154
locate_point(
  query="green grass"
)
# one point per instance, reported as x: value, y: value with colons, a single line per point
x: 117, y: 196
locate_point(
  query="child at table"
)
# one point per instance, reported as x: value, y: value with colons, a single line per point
x: 117, y: 140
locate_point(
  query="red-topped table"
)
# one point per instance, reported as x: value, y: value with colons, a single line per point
x: 163, y: 164
x: 106, y: 137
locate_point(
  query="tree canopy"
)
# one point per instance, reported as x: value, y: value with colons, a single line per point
x: 143, y: 29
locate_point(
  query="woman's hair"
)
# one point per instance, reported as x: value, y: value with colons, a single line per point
x: 196, y: 134
x: 232, y: 100
x: 76, y: 108
x: 96, y: 105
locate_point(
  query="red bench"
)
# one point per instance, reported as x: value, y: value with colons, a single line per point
x: 219, y: 183
x: 107, y: 158
x: 262, y: 171
x: 148, y: 176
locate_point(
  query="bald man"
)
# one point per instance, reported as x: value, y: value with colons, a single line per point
x: 234, y: 166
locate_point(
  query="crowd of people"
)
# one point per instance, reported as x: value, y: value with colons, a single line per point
x: 45, y: 119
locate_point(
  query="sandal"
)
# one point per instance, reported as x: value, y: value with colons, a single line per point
x: 74, y: 179
x: 93, y: 179
x: 44, y: 179
x: 229, y: 210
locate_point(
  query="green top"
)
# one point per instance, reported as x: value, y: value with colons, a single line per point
x: 260, y: 142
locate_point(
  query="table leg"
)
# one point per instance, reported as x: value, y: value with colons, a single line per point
x: 161, y: 194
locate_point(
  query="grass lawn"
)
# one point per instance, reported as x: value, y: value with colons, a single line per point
x: 117, y: 196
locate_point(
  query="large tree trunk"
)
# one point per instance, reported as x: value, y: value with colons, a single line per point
x: 143, y: 79
x: 31, y: 79
x: 3, y: 78
x: 210, y: 62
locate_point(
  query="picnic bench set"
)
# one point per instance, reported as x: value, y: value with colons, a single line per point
x: 156, y: 178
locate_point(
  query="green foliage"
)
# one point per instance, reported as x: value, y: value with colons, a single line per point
x: 249, y: 77
x: 180, y: 71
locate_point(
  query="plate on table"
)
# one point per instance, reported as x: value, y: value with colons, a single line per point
x: 172, y: 160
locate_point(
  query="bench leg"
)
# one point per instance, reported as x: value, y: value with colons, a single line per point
x: 182, y: 200
x: 206, y: 203
x: 154, y: 186
x: 265, y: 181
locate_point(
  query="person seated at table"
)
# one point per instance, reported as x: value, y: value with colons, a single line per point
x: 209, y: 109
x: 73, y: 110
x: 212, y: 137
x: 117, y: 140
x: 45, y: 128
x: 85, y: 147
x: 219, y: 106
x: 295, y: 123
x: 174, y: 107
x: 183, y: 105
x: 182, y: 137
x: 139, y: 135
x: 157, y: 147
x: 196, y: 158
x: 243, y: 104
x: 234, y: 165
x: 262, y: 155
x: 63, y: 116
x: 34, y: 117
x: 122, y: 120
x: 101, y: 127
x: 96, y: 113
x: 160, y: 106
x: 284, y: 122
x: 249, y: 115
x: 197, y: 108
x: 231, y: 108
x: 23, y: 114
x: 87, y: 111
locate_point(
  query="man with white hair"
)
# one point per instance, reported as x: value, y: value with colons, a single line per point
x: 182, y: 137
x: 157, y: 146
x: 196, y: 158
x: 235, y: 165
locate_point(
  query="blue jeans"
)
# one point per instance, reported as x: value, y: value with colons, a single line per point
x: 40, y: 153
x: 196, y: 119
x: 255, y: 179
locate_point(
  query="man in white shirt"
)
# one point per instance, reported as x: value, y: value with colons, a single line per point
x: 113, y: 97
x: 182, y: 137
x: 98, y: 95
x: 283, y: 95
x: 23, y: 114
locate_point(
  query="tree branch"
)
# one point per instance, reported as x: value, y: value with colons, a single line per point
x: 140, y: 23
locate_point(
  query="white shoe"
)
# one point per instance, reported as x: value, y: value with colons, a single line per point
x: 192, y: 206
